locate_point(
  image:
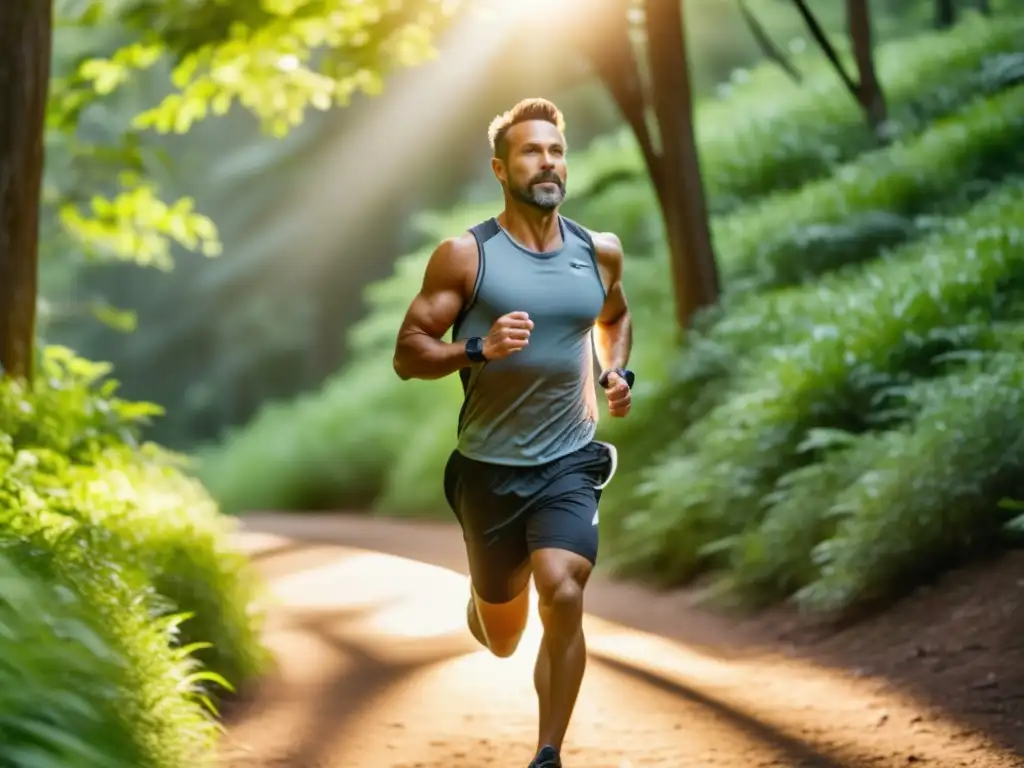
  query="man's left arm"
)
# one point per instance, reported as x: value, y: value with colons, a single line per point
x: 613, y: 331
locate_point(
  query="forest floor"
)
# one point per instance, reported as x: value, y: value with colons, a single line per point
x: 375, y: 669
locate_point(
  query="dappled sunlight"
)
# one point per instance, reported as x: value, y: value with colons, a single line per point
x: 384, y: 637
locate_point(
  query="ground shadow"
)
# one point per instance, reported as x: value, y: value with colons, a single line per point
x: 956, y: 647
x: 799, y: 754
x: 342, y: 698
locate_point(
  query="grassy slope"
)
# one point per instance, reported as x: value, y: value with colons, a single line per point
x: 127, y: 565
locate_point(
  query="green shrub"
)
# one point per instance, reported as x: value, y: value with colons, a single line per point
x: 853, y: 338
x: 771, y: 135
x: 872, y: 206
x: 884, y: 509
x: 932, y: 491
x: 874, y: 202
x: 157, y: 695
x: 60, y: 681
x: 867, y: 210
x: 136, y: 543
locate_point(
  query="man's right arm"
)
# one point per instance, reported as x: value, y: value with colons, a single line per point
x: 450, y: 274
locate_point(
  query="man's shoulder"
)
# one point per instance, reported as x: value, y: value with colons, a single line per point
x: 454, y: 262
x: 606, y: 245
x: 458, y: 250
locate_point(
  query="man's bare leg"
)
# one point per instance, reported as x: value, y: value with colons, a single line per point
x: 542, y: 684
x: 498, y: 627
x: 560, y: 577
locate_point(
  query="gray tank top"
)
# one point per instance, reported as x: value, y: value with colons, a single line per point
x: 539, y: 404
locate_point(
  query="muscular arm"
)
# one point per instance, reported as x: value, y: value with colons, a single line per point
x: 613, y: 332
x: 419, y: 351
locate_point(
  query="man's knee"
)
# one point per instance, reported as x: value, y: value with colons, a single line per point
x: 504, y: 646
x: 561, y: 595
x: 560, y: 578
x: 500, y: 625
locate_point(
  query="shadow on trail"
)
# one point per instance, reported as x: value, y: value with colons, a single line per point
x: 799, y: 754
x: 360, y: 635
x: 440, y: 544
x: 347, y: 698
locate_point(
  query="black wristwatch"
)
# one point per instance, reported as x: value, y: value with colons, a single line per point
x: 625, y: 373
x: 475, y: 349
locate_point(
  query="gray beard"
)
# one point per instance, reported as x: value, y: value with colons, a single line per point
x: 542, y: 199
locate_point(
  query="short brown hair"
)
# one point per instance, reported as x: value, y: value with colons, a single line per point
x: 527, y: 109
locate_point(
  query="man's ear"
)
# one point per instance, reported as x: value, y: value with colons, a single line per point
x: 500, y: 172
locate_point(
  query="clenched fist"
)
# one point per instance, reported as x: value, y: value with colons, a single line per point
x: 509, y: 334
x: 619, y: 396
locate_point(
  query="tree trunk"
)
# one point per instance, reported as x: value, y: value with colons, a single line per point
x: 681, y: 189
x: 869, y: 92
x: 607, y: 47
x: 25, y: 40
x: 945, y: 13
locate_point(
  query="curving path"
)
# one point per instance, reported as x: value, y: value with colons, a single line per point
x: 376, y: 670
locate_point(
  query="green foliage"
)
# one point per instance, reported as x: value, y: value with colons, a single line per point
x: 883, y: 199
x: 276, y: 58
x: 100, y: 197
x: 853, y: 340
x: 771, y: 135
x: 781, y: 142
x: 60, y: 681
x: 877, y: 201
x: 105, y: 180
x: 931, y: 489
x: 135, y: 548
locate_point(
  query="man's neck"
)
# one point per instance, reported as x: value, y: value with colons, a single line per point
x: 535, y: 229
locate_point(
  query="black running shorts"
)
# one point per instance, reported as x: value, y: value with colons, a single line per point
x: 507, y: 512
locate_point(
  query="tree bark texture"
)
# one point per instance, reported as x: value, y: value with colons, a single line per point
x: 25, y: 41
x: 945, y: 13
x: 684, y: 206
x: 869, y: 91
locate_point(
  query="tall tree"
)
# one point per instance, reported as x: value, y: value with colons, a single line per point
x: 866, y: 89
x: 945, y: 13
x: 869, y: 91
x: 25, y: 43
x: 668, y: 147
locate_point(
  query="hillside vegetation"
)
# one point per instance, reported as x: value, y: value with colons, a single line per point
x: 124, y: 612
x: 847, y: 419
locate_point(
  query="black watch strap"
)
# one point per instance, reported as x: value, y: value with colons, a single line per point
x: 625, y: 373
x: 475, y: 349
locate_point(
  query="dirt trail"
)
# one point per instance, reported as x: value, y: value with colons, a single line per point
x: 376, y: 670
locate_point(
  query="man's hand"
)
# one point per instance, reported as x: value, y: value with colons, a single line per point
x: 509, y: 334
x: 619, y: 396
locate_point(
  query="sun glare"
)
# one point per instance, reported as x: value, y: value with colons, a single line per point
x: 523, y: 9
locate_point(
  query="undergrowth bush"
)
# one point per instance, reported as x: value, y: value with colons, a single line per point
x: 135, y: 547
x: 854, y: 338
x: 770, y: 134
x: 876, y: 202
x: 932, y: 490
x: 868, y: 210
x: 60, y: 681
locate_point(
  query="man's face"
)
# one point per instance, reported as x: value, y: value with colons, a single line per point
x: 535, y: 171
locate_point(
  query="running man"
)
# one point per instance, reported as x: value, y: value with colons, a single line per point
x: 525, y: 294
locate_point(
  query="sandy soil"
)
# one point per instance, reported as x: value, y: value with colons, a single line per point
x: 376, y: 670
